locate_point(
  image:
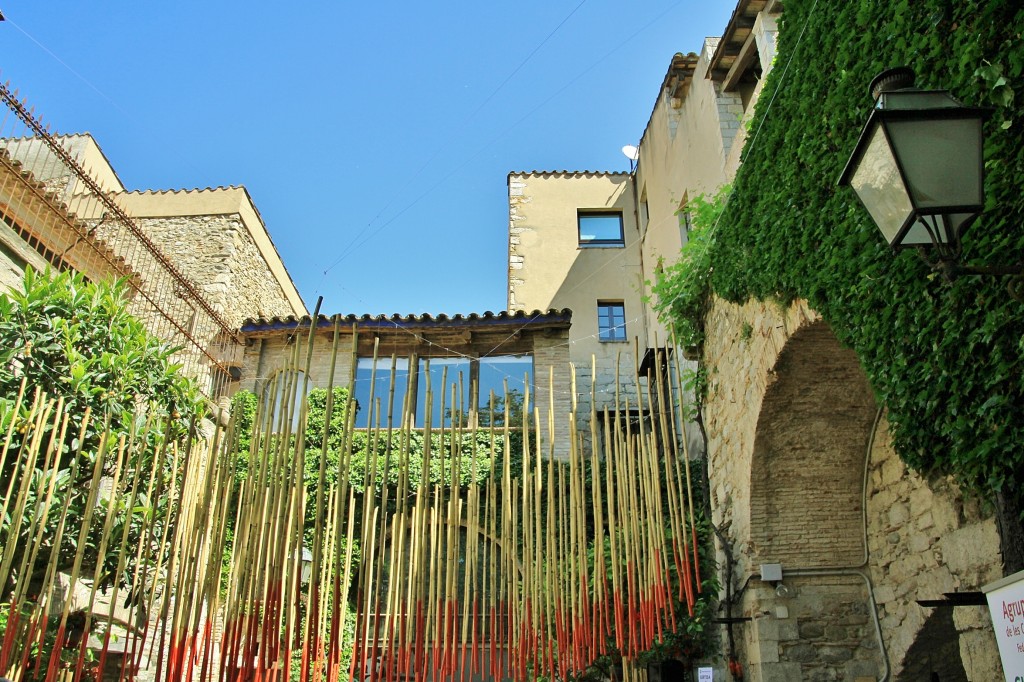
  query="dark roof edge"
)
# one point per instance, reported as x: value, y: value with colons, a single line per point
x: 521, y: 318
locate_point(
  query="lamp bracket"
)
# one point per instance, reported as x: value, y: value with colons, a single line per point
x: 950, y: 270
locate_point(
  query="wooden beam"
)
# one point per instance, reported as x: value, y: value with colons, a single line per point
x: 747, y: 54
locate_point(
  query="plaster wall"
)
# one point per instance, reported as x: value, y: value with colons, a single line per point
x: 764, y: 33
x: 691, y: 147
x: 681, y: 157
x: 548, y: 268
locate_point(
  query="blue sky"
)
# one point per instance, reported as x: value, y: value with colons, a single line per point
x: 375, y: 138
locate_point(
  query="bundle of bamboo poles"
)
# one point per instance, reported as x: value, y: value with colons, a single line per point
x: 538, y: 567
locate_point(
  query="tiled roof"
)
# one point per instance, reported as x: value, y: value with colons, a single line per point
x: 575, y: 174
x: 193, y: 190
x: 518, y: 318
x: 735, y: 35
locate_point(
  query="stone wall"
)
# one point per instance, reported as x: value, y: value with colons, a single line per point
x: 821, y: 630
x: 789, y: 422
x: 926, y: 539
x: 216, y: 252
x: 743, y: 345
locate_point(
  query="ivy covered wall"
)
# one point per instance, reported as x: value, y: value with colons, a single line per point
x: 945, y: 358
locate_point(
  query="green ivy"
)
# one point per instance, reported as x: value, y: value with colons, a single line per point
x: 944, y: 358
x: 683, y: 288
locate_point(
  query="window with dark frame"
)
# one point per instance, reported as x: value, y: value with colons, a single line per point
x: 611, y: 321
x: 450, y: 381
x: 600, y: 228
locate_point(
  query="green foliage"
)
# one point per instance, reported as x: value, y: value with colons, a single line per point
x: 945, y: 358
x: 681, y: 290
x: 74, y: 339
x: 461, y: 455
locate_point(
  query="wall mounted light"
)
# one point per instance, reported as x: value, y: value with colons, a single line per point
x: 918, y: 168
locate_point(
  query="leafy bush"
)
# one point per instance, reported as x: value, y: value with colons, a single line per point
x: 75, y: 340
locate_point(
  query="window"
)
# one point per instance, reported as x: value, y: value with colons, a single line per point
x: 685, y: 219
x: 283, y: 395
x: 375, y: 400
x: 600, y: 229
x: 615, y: 429
x: 381, y: 393
x: 611, y: 321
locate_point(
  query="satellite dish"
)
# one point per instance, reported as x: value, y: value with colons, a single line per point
x: 631, y: 152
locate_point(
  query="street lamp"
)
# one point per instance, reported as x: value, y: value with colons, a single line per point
x: 918, y: 168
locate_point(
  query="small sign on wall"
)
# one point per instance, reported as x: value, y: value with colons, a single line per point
x: 705, y: 675
x: 1006, y: 606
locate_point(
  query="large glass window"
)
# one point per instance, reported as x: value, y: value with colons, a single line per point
x: 451, y: 383
x: 283, y: 394
x: 513, y: 371
x: 376, y: 403
x: 600, y: 229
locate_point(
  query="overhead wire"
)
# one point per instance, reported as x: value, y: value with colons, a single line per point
x: 366, y: 236
x: 353, y: 244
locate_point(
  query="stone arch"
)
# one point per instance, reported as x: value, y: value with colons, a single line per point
x: 810, y: 443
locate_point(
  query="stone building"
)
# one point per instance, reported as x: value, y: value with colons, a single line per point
x: 197, y: 262
x: 827, y: 542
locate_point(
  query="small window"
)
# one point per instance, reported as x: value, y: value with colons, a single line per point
x: 600, y: 229
x: 611, y: 321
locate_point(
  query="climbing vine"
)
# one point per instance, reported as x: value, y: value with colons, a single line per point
x: 944, y: 358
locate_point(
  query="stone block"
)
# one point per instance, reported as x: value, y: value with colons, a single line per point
x: 858, y: 670
x: 884, y: 594
x: 835, y: 654
x: 836, y: 633
x: 780, y: 672
x: 811, y: 630
x: 802, y: 653
x: 919, y: 543
x: 788, y: 631
x: 898, y: 515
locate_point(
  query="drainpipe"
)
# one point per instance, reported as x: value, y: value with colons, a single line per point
x: 633, y: 167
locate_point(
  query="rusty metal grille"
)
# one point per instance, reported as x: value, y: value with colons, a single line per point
x: 70, y: 217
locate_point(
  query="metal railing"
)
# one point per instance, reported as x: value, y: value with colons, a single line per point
x: 70, y: 217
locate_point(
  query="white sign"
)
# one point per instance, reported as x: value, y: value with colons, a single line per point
x: 705, y: 675
x: 1006, y: 606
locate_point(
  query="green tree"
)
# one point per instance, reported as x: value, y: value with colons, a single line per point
x: 74, y: 339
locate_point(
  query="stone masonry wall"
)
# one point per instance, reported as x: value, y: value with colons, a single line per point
x: 742, y: 347
x: 822, y: 630
x: 551, y: 367
x: 926, y: 539
x: 216, y: 252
